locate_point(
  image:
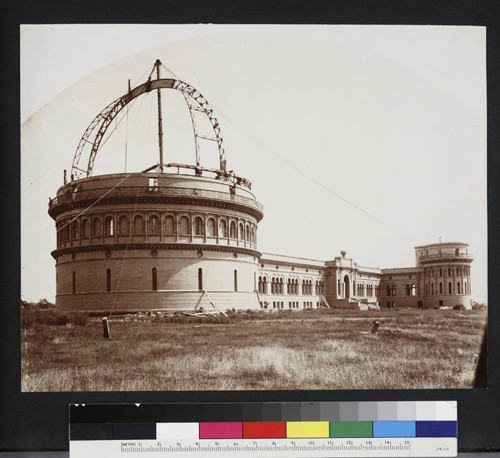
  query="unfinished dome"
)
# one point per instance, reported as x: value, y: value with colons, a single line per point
x: 171, y: 237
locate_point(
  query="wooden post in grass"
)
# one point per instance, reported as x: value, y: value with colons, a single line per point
x: 105, y: 326
x: 376, y: 324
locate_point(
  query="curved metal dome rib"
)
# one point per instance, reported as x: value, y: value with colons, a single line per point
x: 102, y: 121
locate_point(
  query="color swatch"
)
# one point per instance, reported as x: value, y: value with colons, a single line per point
x: 349, y: 429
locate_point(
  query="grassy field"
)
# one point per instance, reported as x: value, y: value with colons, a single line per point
x: 330, y: 349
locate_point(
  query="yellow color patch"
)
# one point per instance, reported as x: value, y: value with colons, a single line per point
x: 304, y: 429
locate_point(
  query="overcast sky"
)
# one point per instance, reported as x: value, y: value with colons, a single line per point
x: 390, y: 118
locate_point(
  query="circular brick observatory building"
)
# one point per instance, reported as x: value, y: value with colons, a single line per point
x: 184, y: 237
x: 153, y: 240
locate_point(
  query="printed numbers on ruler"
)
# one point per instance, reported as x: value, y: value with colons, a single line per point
x: 281, y: 445
x: 259, y: 448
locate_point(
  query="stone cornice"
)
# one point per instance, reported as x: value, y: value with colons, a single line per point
x: 155, y: 246
x: 446, y: 260
x: 271, y: 262
x: 84, y: 199
x: 443, y: 245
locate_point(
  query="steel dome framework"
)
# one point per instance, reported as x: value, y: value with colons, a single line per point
x: 94, y: 134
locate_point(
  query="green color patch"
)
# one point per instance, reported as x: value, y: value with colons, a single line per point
x: 351, y: 429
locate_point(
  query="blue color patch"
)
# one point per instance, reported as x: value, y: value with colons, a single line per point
x: 437, y: 429
x: 394, y: 429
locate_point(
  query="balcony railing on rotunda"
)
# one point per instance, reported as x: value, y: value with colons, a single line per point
x: 143, y: 191
x: 431, y: 257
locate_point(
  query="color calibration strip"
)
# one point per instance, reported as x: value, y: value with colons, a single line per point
x: 272, y: 430
x: 288, y: 429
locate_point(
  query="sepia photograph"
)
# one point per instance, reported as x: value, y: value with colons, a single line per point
x: 243, y: 207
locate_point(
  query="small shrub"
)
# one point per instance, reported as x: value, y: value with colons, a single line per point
x: 44, y: 304
x: 79, y: 319
x: 47, y: 318
x: 27, y: 320
x: 50, y: 318
x: 478, y: 306
x: 62, y: 319
x: 25, y: 305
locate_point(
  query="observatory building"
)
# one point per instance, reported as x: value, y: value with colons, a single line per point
x: 184, y: 237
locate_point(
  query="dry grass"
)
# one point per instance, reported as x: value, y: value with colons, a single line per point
x: 330, y: 349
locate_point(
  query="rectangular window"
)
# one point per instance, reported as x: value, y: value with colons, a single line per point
x: 153, y: 184
x: 74, y: 282
x: 155, y: 279
x: 200, y: 279
x: 108, y: 280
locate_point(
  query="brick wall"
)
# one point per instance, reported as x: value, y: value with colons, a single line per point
x: 132, y: 272
x: 156, y: 300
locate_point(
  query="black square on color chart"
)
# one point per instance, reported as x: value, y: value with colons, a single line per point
x: 90, y: 431
x: 252, y: 412
x: 233, y: 412
x: 213, y: 412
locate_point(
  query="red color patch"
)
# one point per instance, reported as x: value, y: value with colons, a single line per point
x: 264, y: 430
